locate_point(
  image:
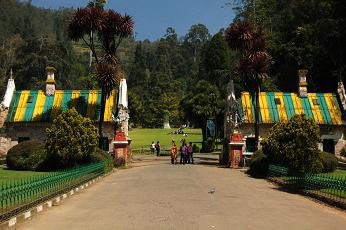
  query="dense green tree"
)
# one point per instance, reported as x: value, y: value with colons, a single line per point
x: 32, y: 38
x: 215, y: 66
x: 299, y: 35
x: 193, y: 45
x: 202, y: 103
x: 216, y: 62
x: 294, y: 143
x: 136, y: 108
x: 138, y: 74
x: 71, y: 139
x: 8, y: 58
x: 194, y: 40
x: 169, y: 56
x: 34, y: 55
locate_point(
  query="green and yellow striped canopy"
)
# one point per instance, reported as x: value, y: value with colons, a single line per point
x: 34, y: 105
x: 323, y: 108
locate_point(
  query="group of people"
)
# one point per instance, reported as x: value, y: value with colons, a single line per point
x: 186, y: 153
x: 155, y: 147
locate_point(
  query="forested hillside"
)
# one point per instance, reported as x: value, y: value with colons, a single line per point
x: 302, y: 34
x: 177, y: 76
x: 32, y: 38
x: 159, y: 73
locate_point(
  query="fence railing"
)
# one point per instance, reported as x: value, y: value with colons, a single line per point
x: 326, y: 187
x: 18, y: 195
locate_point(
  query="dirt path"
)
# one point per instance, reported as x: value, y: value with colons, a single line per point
x: 156, y: 195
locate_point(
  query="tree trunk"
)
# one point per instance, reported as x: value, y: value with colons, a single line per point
x: 257, y: 116
x: 103, y: 105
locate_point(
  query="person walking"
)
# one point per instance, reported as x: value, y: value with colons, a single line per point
x: 190, y: 153
x: 158, y: 148
x: 183, y: 153
x: 152, y: 147
x: 174, y: 151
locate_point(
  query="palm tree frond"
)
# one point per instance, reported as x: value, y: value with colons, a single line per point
x: 126, y: 26
x: 84, y: 21
x: 108, y: 76
x: 239, y: 34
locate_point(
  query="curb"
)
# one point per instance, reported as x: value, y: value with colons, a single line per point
x: 27, y: 215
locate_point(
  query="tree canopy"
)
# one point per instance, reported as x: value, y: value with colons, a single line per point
x: 295, y: 144
x: 71, y: 139
x: 162, y: 74
x: 302, y: 34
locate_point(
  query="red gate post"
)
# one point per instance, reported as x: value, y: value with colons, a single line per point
x: 236, y: 149
x: 120, y: 148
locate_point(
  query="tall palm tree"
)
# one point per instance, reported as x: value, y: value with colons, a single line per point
x: 108, y: 28
x: 253, y: 63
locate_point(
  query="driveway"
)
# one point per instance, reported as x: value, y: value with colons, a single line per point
x: 156, y: 195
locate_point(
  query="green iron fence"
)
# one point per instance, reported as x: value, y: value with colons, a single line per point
x: 19, y: 195
x: 326, y: 187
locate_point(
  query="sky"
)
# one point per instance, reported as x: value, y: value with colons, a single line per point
x: 153, y: 17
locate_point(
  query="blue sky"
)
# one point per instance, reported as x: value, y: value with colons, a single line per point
x: 152, y: 17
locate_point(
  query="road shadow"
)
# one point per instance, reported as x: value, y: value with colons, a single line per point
x: 208, y: 161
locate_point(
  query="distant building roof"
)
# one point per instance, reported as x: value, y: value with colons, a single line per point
x: 323, y: 108
x: 35, y: 106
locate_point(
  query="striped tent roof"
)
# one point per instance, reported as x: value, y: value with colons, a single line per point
x: 323, y: 108
x: 34, y: 105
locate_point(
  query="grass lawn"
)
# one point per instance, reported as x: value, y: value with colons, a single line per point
x: 339, y: 173
x: 11, y: 174
x: 142, y: 138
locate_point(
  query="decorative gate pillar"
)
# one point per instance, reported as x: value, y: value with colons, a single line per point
x: 121, y: 141
x: 120, y: 148
x: 236, y: 149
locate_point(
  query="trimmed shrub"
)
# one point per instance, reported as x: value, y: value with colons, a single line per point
x: 26, y: 156
x: 259, y: 164
x: 294, y: 143
x: 329, y: 161
x: 70, y: 140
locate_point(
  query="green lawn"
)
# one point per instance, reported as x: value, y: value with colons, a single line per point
x: 342, y: 175
x: 142, y: 138
x: 339, y: 173
x: 11, y: 174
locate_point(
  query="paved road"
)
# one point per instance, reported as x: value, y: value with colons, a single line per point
x: 157, y: 195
